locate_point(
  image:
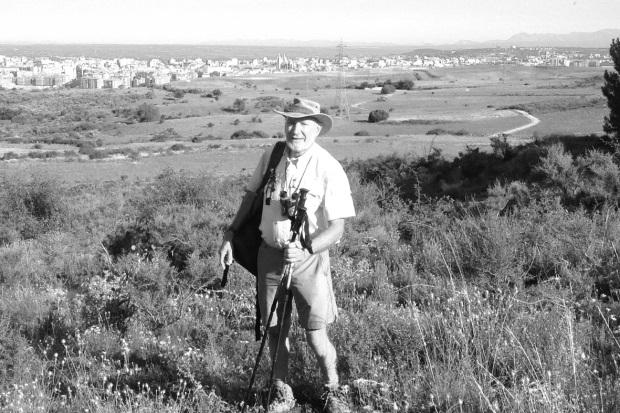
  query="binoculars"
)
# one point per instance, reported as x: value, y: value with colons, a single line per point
x: 288, y: 204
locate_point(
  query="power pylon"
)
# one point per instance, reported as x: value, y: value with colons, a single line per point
x: 342, y: 100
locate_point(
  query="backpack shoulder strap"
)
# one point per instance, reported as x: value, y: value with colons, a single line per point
x: 274, y: 159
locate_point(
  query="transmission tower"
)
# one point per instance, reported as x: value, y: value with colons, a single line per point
x: 341, y: 99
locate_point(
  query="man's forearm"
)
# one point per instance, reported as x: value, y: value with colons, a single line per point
x: 328, y: 237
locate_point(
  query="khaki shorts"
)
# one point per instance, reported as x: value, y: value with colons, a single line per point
x: 311, y: 285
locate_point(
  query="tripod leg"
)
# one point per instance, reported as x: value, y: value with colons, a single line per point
x: 272, y: 310
x: 286, y: 308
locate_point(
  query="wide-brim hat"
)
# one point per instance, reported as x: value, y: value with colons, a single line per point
x: 307, y: 109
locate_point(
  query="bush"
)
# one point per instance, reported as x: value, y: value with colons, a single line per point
x: 201, y: 138
x: 32, y: 206
x: 378, y: 115
x: 10, y: 155
x: 611, y: 90
x: 388, y: 89
x: 268, y: 103
x: 242, y: 134
x: 441, y: 131
x: 179, y: 147
x: 239, y: 105
x: 404, y: 84
x: 148, y: 113
x: 8, y: 113
x: 166, y: 135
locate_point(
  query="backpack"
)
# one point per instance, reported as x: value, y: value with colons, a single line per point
x: 247, y: 239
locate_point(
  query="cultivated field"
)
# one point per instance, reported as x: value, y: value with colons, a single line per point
x: 481, y: 273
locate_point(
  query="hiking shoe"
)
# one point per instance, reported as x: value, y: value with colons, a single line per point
x: 282, y: 399
x: 335, y: 400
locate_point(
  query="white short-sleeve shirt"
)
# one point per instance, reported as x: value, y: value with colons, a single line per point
x: 329, y: 193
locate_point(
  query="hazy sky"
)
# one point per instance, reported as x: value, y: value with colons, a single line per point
x: 206, y: 21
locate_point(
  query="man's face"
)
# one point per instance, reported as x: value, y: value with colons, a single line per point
x: 300, y: 135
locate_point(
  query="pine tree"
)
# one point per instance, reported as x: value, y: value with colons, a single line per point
x: 611, y: 90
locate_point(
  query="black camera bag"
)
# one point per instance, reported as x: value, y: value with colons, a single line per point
x: 247, y: 238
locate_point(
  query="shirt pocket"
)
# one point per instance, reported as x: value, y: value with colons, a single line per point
x: 314, y: 198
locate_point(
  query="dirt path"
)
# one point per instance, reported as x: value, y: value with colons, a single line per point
x: 533, y: 121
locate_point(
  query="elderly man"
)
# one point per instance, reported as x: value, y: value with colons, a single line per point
x: 306, y: 165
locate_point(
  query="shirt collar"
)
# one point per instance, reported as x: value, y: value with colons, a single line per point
x: 303, y: 158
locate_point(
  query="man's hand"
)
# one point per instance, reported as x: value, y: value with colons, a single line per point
x: 294, y: 253
x: 226, y: 252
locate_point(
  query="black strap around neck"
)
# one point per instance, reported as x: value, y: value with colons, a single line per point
x: 274, y: 159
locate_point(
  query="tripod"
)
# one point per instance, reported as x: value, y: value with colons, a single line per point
x: 283, y: 288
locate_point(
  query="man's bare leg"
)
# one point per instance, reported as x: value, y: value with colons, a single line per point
x: 325, y: 354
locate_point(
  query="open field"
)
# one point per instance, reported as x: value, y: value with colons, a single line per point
x: 476, y: 102
x: 481, y: 278
x: 110, y: 298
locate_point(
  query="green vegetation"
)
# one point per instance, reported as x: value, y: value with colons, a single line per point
x: 441, y: 131
x: 405, y: 84
x: 378, y: 115
x: 148, y: 113
x: 242, y: 134
x: 238, y: 106
x: 166, y: 135
x: 387, y: 89
x: 556, y: 105
x: 487, y: 282
x: 611, y: 90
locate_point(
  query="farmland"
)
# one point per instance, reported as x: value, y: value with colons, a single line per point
x: 479, y: 275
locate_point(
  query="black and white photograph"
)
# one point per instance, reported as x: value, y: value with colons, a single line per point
x: 309, y: 207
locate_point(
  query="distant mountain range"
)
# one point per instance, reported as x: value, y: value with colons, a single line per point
x: 598, y: 39
x: 244, y: 48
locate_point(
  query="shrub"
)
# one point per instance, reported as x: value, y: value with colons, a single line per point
x: 239, y: 105
x: 378, y: 115
x: 441, y: 131
x: 166, y: 135
x: 32, y: 206
x: 148, y: 113
x: 8, y: 113
x: 43, y: 154
x: 268, y: 103
x: 388, y: 89
x: 242, y: 134
x: 611, y: 90
x: 179, y: 147
x: 404, y: 84
x: 10, y: 155
x: 201, y: 138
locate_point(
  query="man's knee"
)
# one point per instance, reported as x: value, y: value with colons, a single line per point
x: 318, y: 340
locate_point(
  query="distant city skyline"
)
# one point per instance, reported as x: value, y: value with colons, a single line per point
x: 254, y: 21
